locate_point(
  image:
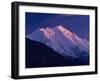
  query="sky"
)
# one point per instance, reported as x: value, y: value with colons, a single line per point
x: 78, y: 24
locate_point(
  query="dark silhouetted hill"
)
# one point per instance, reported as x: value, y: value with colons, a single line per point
x: 40, y: 55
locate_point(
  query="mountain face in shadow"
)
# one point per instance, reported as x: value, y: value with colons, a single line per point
x: 40, y: 55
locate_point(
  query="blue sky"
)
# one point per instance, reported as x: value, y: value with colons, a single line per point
x: 79, y: 24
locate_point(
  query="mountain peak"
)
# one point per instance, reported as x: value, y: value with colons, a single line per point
x: 47, y: 32
x: 45, y: 29
x: 59, y: 38
x: 63, y: 29
x: 42, y: 29
x: 60, y: 26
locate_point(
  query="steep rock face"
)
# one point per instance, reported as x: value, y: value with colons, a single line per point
x: 61, y: 40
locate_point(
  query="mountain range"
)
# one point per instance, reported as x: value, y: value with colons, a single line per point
x: 57, y: 46
x: 61, y: 40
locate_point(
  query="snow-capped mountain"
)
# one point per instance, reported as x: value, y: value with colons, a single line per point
x: 60, y: 40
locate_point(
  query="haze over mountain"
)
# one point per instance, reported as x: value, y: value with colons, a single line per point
x: 61, y: 40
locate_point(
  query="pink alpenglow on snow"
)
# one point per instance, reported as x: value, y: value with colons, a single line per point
x: 59, y: 39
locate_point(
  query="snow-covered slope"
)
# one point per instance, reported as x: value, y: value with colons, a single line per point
x: 60, y: 40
